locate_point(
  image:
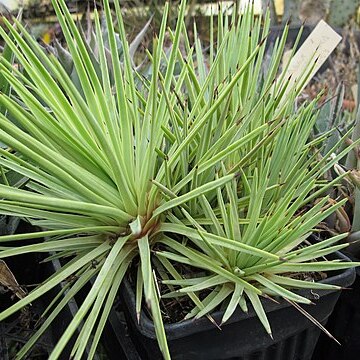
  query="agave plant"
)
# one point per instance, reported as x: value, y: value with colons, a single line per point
x: 92, y: 44
x: 352, y: 162
x: 333, y: 115
x: 207, y: 164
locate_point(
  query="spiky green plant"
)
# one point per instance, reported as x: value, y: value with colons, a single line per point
x: 208, y: 164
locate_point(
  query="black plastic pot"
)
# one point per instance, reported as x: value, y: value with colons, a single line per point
x: 8, y: 224
x: 116, y: 340
x: 344, y: 325
x: 18, y: 328
x: 61, y: 322
x: 243, y: 336
x: 276, y: 32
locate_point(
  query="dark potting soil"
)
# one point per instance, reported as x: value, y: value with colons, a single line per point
x: 173, y: 309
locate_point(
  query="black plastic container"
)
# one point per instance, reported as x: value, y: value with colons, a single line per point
x: 116, y: 340
x: 18, y: 328
x: 63, y: 319
x: 344, y: 325
x: 243, y: 336
x: 61, y: 322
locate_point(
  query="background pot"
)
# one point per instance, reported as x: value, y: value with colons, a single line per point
x: 344, y: 325
x: 18, y: 328
x: 28, y: 270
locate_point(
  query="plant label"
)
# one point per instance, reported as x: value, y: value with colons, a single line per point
x: 311, y: 55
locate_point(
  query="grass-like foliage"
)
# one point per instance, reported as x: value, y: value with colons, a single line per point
x: 205, y: 162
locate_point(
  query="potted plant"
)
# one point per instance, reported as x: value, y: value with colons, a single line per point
x: 201, y: 174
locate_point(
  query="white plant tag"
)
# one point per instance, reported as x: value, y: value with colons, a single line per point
x: 317, y: 47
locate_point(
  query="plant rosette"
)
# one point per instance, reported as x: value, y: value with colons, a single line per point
x: 206, y: 158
